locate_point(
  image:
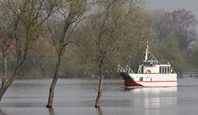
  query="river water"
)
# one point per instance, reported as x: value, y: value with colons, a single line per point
x: 77, y: 97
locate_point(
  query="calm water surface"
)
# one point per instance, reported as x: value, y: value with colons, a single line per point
x: 77, y: 97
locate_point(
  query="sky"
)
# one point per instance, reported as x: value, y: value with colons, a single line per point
x: 171, y: 5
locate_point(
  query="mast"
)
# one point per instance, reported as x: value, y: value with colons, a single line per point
x: 146, y: 53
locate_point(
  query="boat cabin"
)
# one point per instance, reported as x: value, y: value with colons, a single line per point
x: 153, y: 66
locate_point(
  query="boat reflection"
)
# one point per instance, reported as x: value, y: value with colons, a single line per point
x: 154, y: 90
x: 51, y: 111
x: 2, y: 112
x: 99, y: 111
x: 154, y: 97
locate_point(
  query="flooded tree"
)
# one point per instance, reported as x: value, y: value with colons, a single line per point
x: 69, y: 16
x: 108, y: 33
x: 5, y: 41
x: 24, y: 20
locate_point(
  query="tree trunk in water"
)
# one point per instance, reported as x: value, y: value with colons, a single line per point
x: 5, y: 66
x: 54, y: 81
x: 10, y: 80
x: 99, y: 111
x: 5, y: 87
x: 51, y: 92
x: 179, y: 73
x: 177, y: 70
x: 97, y: 103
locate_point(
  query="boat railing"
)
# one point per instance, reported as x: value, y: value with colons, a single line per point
x: 126, y: 69
x: 120, y: 69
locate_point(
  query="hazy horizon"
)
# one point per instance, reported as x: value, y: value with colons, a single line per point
x: 171, y: 5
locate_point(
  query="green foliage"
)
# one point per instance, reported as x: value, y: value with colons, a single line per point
x: 176, y: 34
x: 180, y: 23
x: 115, y: 36
x: 169, y: 51
x: 193, y: 58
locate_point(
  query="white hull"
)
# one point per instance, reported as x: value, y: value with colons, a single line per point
x: 151, y: 80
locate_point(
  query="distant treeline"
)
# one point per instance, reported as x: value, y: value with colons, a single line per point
x: 92, y: 38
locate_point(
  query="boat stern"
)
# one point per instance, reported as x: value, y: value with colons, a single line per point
x: 129, y: 82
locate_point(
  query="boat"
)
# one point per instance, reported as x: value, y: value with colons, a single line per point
x: 149, y: 74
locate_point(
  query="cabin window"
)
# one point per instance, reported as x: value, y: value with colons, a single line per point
x: 141, y: 79
x: 142, y: 69
x: 164, y: 69
x: 168, y: 69
x: 160, y: 70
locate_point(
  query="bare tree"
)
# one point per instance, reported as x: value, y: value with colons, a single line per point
x: 26, y: 17
x: 4, y: 44
x: 69, y: 15
x: 109, y: 33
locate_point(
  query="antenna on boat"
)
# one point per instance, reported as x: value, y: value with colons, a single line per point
x: 146, y: 53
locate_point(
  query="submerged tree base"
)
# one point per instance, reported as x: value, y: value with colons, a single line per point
x: 49, y: 106
x: 97, y: 103
x: 97, y: 106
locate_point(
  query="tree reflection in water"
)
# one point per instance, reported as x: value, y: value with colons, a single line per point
x: 99, y: 110
x: 51, y: 111
x: 2, y: 112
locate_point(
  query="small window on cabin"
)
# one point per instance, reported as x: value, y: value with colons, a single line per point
x: 164, y: 69
x: 160, y: 69
x: 142, y: 69
x: 141, y: 79
x: 167, y: 69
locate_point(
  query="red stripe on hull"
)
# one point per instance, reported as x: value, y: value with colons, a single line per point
x: 157, y: 81
x: 149, y: 86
